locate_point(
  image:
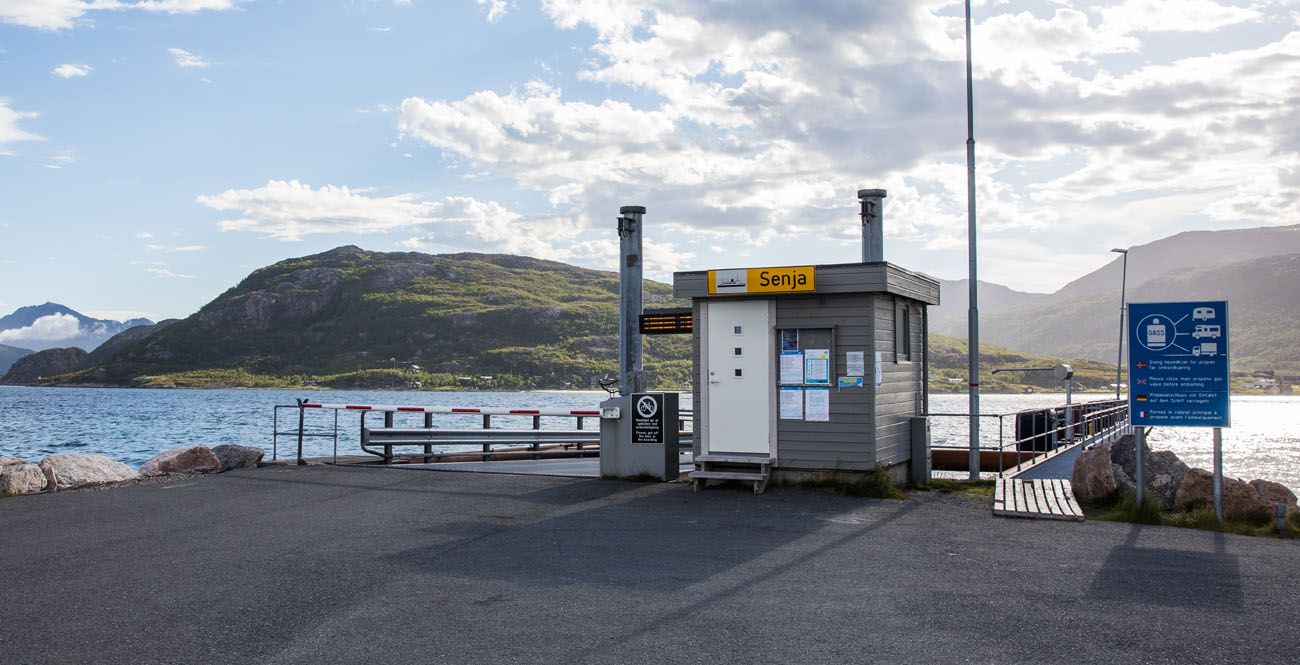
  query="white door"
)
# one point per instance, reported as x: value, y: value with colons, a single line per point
x: 738, y: 360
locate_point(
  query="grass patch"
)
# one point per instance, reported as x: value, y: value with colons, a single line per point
x: 974, y: 489
x: 1125, y: 509
x: 874, y: 485
x: 1129, y: 510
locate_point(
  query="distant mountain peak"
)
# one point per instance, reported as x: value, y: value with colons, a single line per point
x: 46, y: 326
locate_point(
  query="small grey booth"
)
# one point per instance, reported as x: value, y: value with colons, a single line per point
x: 809, y: 372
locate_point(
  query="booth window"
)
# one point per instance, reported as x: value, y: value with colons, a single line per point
x: 902, y: 332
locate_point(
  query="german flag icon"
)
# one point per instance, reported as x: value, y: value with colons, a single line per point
x: 1141, y: 398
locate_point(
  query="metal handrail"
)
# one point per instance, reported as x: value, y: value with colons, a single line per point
x: 484, y: 434
x: 1099, y: 419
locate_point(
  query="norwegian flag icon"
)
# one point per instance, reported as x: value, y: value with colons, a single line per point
x: 1142, y: 365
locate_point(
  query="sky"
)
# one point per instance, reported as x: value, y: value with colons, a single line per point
x: 154, y: 152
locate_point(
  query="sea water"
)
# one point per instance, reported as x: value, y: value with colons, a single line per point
x: 130, y: 425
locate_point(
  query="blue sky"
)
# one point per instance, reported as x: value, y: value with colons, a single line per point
x: 153, y: 153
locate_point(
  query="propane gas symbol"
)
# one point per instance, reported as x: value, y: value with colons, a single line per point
x: 1156, y: 332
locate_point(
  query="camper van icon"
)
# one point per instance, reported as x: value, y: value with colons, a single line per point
x: 1207, y: 331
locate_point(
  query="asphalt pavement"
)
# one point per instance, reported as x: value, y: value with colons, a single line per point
x: 348, y: 565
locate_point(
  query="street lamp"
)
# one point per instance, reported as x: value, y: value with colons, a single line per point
x: 1119, y: 360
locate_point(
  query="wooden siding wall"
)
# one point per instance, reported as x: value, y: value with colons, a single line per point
x: 845, y: 442
x: 899, y: 396
x: 868, y: 425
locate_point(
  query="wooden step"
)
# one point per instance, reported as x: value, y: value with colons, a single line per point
x: 728, y: 475
x: 735, y: 458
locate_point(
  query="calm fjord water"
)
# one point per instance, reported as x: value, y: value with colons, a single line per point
x: 131, y: 425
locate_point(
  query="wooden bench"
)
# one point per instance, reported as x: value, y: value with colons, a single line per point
x: 388, y: 437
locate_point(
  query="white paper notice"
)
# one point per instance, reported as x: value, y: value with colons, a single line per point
x: 880, y: 376
x: 857, y: 363
x: 792, y: 404
x: 817, y: 366
x: 792, y: 367
x: 817, y: 404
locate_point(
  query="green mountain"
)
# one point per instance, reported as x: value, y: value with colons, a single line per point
x: 350, y: 317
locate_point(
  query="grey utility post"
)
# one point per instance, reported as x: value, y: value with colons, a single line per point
x: 629, y: 285
x: 873, y: 233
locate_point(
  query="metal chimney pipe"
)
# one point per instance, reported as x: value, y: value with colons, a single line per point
x: 630, y: 378
x: 873, y: 234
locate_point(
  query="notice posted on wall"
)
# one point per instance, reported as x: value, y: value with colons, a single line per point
x: 792, y: 367
x: 817, y: 366
x: 791, y: 403
x: 880, y: 373
x: 817, y: 404
x: 789, y: 339
x: 857, y: 363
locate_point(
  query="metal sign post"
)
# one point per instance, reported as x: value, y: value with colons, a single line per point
x: 1179, y: 374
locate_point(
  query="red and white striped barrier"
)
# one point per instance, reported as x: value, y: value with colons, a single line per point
x: 487, y: 411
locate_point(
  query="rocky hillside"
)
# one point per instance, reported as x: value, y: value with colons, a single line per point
x: 34, y: 368
x: 539, y: 322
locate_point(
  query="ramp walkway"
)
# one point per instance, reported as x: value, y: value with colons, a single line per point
x: 1042, y: 499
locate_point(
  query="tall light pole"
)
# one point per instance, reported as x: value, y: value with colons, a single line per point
x: 1123, y: 283
x: 973, y: 314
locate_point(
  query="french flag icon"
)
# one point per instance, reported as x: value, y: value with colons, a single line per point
x: 1142, y: 414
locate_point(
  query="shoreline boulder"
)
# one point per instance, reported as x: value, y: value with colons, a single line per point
x: 1240, y: 500
x: 186, y: 459
x: 24, y: 478
x: 1274, y: 493
x: 65, y: 471
x: 1093, y: 479
x: 232, y: 456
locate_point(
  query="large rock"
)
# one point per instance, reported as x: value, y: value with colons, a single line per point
x: 237, y: 457
x: 5, y: 460
x: 68, y: 471
x: 186, y: 459
x: 22, y: 478
x: 1162, y: 469
x: 1240, y: 500
x: 1092, y: 479
x: 1274, y: 493
x: 1164, y: 472
x: 1123, y: 482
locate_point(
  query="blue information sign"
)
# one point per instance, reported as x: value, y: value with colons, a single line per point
x: 1178, y: 364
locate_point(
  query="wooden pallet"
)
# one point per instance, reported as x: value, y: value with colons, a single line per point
x: 1042, y: 499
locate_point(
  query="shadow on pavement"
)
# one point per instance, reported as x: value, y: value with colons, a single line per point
x: 1169, y: 577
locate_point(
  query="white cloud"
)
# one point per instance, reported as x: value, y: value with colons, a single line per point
x: 184, y: 58
x: 293, y: 210
x: 756, y: 122
x: 63, y: 14
x: 496, y: 8
x: 10, y: 132
x: 51, y: 327
x: 71, y: 70
x: 162, y: 272
x: 174, y: 249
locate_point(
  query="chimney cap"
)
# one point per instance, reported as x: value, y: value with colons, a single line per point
x: 871, y: 193
x: 626, y: 209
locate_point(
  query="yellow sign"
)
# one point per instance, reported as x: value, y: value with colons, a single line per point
x: 792, y: 279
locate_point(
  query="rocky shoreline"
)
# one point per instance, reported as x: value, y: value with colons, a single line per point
x: 66, y: 471
x: 1107, y: 470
